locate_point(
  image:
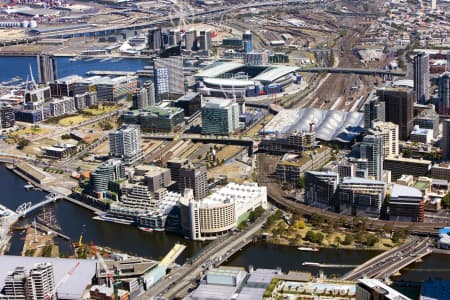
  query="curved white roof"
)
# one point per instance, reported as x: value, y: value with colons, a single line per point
x: 329, y: 125
x: 218, y: 68
x: 275, y: 72
x: 228, y: 83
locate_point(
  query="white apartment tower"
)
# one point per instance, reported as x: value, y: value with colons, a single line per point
x: 389, y: 132
x: 125, y: 143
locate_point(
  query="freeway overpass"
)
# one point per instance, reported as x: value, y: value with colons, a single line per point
x: 378, y: 72
x: 114, y: 29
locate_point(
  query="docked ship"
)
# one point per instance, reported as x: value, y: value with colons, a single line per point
x: 47, y: 218
x: 311, y: 264
x: 113, y: 220
x: 146, y: 229
x: 312, y: 249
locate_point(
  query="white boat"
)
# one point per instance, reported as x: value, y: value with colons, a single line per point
x: 311, y: 264
x: 146, y: 229
x: 114, y: 220
x: 28, y: 186
x: 312, y: 249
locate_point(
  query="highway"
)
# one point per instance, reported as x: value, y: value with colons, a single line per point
x: 390, y: 262
x: 181, y: 280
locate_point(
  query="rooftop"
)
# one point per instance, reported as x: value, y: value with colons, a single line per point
x: 405, y: 191
x: 73, y: 288
x: 329, y: 125
x: 390, y: 293
x: 359, y: 180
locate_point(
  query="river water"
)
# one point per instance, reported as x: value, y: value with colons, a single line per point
x: 155, y: 245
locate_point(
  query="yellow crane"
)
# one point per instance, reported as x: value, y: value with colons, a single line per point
x: 83, y: 230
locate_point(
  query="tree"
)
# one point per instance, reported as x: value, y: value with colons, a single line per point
x: 348, y: 239
x: 301, y: 182
x: 299, y: 224
x: 446, y: 201
x: 22, y: 143
x: 337, y: 240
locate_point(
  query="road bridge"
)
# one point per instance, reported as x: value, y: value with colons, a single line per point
x: 216, y: 254
x: 388, y: 263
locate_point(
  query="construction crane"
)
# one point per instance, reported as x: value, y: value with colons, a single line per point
x: 64, y: 279
x: 113, y: 278
x: 83, y: 231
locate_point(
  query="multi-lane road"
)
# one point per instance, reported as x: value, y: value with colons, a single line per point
x: 392, y: 261
x: 183, y: 277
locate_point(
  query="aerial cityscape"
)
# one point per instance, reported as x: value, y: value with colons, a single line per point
x: 221, y: 149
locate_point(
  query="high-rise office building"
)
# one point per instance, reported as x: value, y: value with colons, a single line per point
x: 41, y: 282
x: 168, y: 76
x: 428, y: 119
x: 46, y: 64
x: 389, y: 132
x: 205, y: 40
x: 422, y: 77
x: 374, y: 110
x: 7, y: 119
x: 220, y: 116
x: 320, y: 187
x: 154, y: 38
x: 195, y: 178
x: 125, y: 143
x: 372, y: 149
x: 247, y: 39
x: 433, y: 4
x: 190, y: 39
x: 144, y: 96
x: 444, y: 93
x: 174, y: 37
x: 398, y: 109
x: 445, y: 142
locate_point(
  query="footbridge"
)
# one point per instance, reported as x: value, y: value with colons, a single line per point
x: 26, y: 208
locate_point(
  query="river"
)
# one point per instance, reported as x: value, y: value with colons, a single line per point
x: 154, y: 245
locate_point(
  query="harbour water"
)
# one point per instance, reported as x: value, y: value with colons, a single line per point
x: 154, y: 245
x: 19, y: 66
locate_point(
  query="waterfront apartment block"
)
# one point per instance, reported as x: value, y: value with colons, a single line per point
x: 221, y: 211
x: 116, y: 89
x: 7, y: 119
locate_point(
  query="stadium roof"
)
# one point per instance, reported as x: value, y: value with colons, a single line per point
x: 275, y: 72
x: 73, y: 288
x: 218, y: 68
x: 329, y: 125
x: 226, y: 83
